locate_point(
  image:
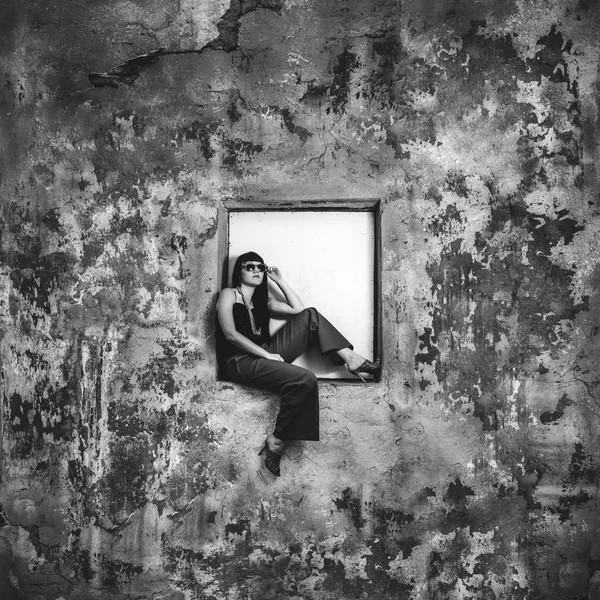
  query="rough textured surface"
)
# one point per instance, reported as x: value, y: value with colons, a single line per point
x: 128, y: 470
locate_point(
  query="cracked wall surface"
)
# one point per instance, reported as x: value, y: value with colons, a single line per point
x: 470, y: 471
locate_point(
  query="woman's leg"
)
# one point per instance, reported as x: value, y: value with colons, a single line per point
x: 295, y: 336
x: 298, y: 417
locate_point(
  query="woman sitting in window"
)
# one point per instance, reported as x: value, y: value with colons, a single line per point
x: 247, y: 354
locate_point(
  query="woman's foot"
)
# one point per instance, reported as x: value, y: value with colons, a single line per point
x: 275, y: 444
x: 351, y: 358
x: 358, y: 364
x: 274, y: 449
x: 367, y: 367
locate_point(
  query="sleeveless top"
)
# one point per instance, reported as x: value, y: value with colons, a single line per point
x: 225, y: 348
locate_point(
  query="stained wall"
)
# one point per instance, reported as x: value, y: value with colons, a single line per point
x: 128, y: 470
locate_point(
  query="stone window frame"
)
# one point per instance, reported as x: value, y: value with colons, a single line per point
x: 372, y: 205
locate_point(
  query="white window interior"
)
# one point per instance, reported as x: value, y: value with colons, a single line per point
x: 327, y: 257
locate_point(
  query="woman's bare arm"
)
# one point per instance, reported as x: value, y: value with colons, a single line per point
x: 225, y: 316
x: 293, y: 304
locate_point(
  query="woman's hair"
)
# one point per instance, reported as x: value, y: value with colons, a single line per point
x: 261, y: 293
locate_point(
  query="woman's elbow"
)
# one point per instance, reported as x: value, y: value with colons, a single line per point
x: 229, y: 336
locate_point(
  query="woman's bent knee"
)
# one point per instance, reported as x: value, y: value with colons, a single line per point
x: 310, y: 315
x: 304, y: 379
x: 310, y: 380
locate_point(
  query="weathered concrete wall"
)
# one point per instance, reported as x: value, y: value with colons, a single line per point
x: 471, y: 470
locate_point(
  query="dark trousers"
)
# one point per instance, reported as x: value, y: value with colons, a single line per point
x: 298, y: 417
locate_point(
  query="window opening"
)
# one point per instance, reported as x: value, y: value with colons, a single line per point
x: 329, y: 257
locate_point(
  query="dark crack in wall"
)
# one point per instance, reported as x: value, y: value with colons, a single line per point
x: 128, y: 470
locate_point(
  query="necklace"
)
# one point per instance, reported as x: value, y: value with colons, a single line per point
x: 255, y: 330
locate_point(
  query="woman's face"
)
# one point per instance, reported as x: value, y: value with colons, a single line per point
x: 251, y: 273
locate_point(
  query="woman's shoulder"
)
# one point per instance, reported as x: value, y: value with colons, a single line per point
x: 227, y: 295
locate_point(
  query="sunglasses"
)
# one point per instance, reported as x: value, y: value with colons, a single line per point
x: 254, y: 267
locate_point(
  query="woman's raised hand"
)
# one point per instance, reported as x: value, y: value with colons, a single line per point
x: 274, y: 273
